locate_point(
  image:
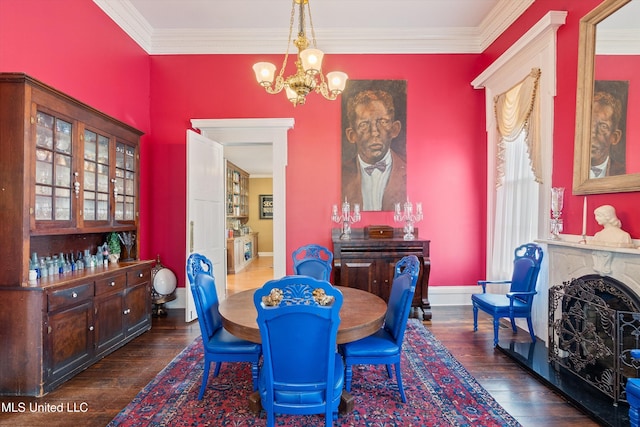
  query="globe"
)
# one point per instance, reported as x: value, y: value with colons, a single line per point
x: 165, y: 281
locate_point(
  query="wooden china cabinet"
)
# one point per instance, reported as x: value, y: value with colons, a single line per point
x: 69, y: 175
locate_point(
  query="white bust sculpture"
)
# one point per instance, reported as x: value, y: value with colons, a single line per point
x: 612, y: 233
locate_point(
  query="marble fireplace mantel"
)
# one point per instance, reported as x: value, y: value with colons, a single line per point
x: 568, y: 259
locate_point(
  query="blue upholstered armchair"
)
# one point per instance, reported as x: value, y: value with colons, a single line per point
x: 301, y: 373
x: 385, y: 346
x: 313, y: 260
x: 219, y: 345
x: 518, y: 301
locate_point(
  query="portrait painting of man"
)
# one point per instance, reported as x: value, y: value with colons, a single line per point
x: 374, y: 166
x: 608, y: 128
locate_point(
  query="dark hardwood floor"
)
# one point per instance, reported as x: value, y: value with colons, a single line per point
x: 100, y: 392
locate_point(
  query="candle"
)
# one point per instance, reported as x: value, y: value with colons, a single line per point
x: 397, y: 208
x: 419, y: 208
x: 356, y: 208
x: 335, y: 210
x: 584, y: 216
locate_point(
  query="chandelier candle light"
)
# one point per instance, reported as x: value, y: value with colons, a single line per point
x: 408, y: 217
x: 346, y: 218
x: 557, y: 201
x: 308, y: 76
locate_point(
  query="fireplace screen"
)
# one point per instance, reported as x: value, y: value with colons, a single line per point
x: 594, y: 322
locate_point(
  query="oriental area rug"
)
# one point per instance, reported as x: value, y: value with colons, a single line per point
x: 439, y: 390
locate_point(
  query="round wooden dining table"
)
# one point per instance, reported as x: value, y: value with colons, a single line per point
x: 361, y: 315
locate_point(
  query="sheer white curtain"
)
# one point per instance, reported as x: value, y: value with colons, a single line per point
x: 517, y: 175
x: 516, y: 213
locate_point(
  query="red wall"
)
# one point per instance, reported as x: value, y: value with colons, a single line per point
x: 564, y: 119
x: 73, y: 46
x: 445, y: 148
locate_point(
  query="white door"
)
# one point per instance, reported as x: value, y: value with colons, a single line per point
x: 206, y: 211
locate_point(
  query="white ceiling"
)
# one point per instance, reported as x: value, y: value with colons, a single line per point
x: 341, y: 26
x: 163, y: 27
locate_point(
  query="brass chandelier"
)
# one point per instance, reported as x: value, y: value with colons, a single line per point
x: 308, y: 76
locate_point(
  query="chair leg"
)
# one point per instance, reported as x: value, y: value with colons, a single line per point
x: 496, y: 327
x: 217, y: 370
x: 634, y: 417
x: 328, y: 416
x: 530, y: 324
x: 347, y: 377
x: 475, y: 318
x: 254, y: 375
x: 389, y: 371
x: 513, y: 325
x: 399, y: 380
x: 205, y: 378
x: 271, y: 419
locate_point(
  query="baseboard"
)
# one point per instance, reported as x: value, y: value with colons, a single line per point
x: 438, y: 295
x: 451, y: 295
x: 180, y: 301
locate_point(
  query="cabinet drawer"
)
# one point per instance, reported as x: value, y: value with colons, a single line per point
x: 70, y: 296
x: 111, y: 284
x: 139, y: 275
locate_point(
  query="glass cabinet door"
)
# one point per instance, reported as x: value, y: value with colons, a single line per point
x: 95, y: 193
x: 125, y: 182
x: 54, y: 185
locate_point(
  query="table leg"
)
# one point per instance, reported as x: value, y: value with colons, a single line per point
x: 347, y: 403
x: 254, y: 403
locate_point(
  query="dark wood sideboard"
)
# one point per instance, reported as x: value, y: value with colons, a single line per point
x: 369, y: 264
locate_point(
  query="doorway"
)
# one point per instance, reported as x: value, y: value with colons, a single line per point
x: 263, y: 132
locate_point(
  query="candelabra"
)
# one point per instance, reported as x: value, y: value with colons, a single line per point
x: 346, y: 218
x: 557, y: 201
x: 408, y: 217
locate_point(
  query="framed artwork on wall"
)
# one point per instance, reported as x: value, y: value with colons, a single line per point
x: 374, y: 164
x: 266, y: 206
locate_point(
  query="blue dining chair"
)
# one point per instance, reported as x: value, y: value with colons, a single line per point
x: 198, y: 263
x: 313, y: 260
x: 518, y: 301
x: 301, y: 371
x: 385, y: 346
x: 219, y: 345
x: 633, y: 394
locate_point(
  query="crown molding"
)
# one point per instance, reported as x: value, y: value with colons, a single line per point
x: 347, y: 41
x: 546, y: 27
x: 130, y: 20
x: 499, y: 19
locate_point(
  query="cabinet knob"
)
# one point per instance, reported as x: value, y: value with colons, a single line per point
x: 112, y: 284
x: 91, y: 328
x: 140, y: 275
x: 127, y: 311
x: 74, y: 295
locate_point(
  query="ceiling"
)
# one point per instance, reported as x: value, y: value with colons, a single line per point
x: 163, y: 27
